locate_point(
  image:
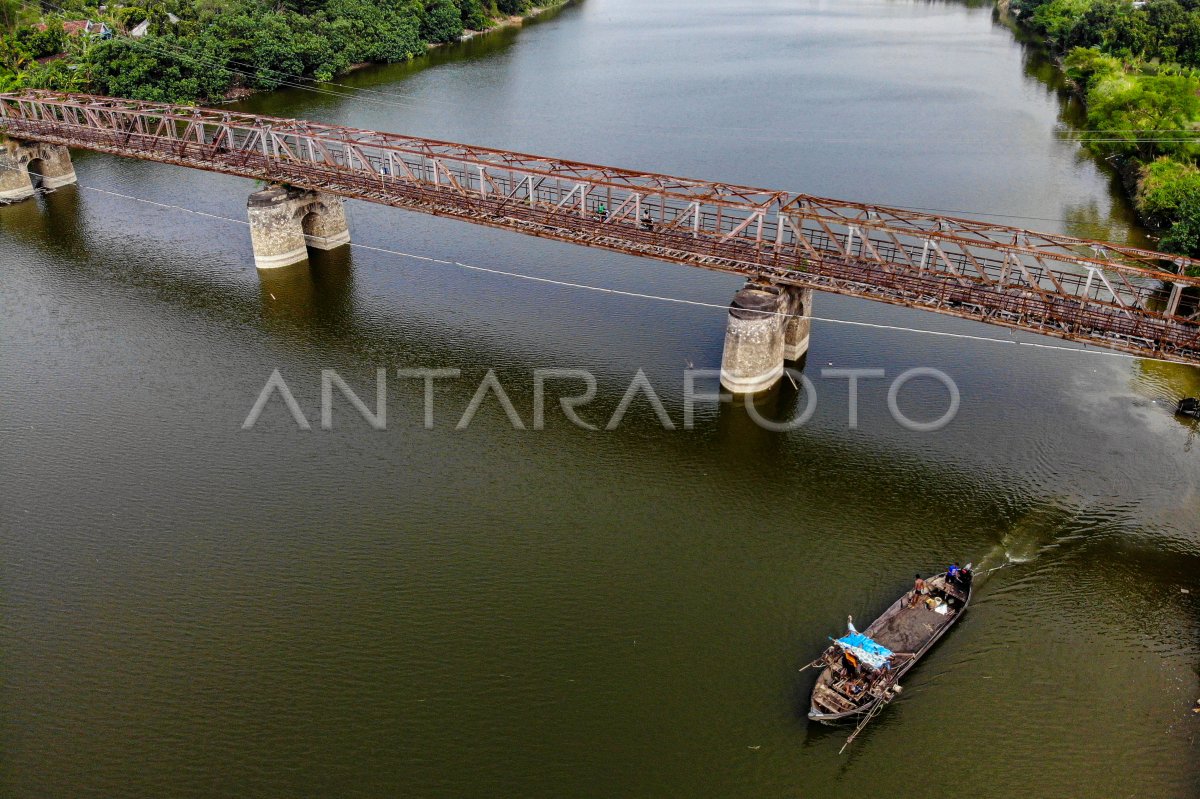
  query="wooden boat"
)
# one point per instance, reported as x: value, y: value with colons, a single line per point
x: 861, y: 671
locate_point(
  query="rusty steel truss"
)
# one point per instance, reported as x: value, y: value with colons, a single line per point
x: 1117, y: 297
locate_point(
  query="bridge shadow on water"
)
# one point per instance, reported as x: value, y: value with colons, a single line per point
x: 313, y: 292
x: 320, y: 303
x: 51, y: 215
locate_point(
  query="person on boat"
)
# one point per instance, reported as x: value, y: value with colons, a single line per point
x: 647, y: 221
x: 919, y: 590
x: 601, y: 212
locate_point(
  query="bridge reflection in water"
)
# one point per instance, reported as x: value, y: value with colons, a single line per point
x: 786, y: 244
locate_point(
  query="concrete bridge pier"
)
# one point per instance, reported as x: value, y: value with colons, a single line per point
x: 797, y: 326
x: 21, y: 162
x: 754, y: 339
x: 285, y: 222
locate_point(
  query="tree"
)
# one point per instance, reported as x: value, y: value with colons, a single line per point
x: 260, y: 47
x: 122, y: 68
x: 10, y: 15
x: 441, y: 21
x: 1184, y: 236
x: 303, y: 7
x: 13, y: 57
x: 42, y: 43
x: 1098, y: 26
x: 1056, y: 18
x: 58, y: 74
x: 384, y: 31
x: 1164, y: 187
x: 474, y: 15
x: 1144, y: 115
x: 1087, y: 65
x: 512, y: 6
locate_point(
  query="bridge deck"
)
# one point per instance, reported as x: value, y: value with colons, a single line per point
x: 1117, y: 297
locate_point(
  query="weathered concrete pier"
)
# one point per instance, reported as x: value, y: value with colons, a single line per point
x: 1122, y: 298
x: 767, y: 326
x: 285, y: 222
x: 21, y: 162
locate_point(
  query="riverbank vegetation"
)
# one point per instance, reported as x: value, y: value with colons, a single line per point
x: 207, y: 50
x: 1136, y: 64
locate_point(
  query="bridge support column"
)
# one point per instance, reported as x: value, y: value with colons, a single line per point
x: 52, y: 162
x: 754, y: 340
x: 285, y: 222
x: 798, y: 325
x: 49, y: 163
x: 14, y: 178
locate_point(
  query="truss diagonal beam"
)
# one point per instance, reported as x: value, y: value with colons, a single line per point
x: 1123, y: 298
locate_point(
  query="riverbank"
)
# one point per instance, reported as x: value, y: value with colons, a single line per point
x: 516, y: 20
x: 208, y: 54
x: 441, y: 612
x: 240, y: 93
x: 1133, y: 69
x: 1126, y: 172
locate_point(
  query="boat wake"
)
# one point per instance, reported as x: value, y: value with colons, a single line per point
x: 1032, y: 535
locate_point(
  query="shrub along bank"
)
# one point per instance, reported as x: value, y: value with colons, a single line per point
x: 204, y: 50
x: 1136, y: 66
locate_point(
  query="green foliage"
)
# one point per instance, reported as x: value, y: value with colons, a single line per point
x: 10, y: 15
x: 13, y: 58
x: 42, y: 43
x: 1056, y: 18
x: 474, y: 14
x: 1144, y: 115
x: 441, y: 21
x: 122, y: 68
x: 1165, y: 187
x: 261, y: 48
x: 58, y: 74
x: 1161, y: 30
x: 1114, y: 26
x: 1087, y: 64
x: 1168, y: 196
x: 385, y: 31
x: 512, y: 6
x: 128, y: 17
x: 219, y: 45
x: 1136, y: 68
x: 1184, y: 235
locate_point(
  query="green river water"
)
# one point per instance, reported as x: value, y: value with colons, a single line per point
x: 192, y: 609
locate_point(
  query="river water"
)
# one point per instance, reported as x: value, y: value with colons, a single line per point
x: 193, y: 609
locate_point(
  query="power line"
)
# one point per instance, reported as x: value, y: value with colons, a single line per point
x: 253, y: 70
x: 646, y: 296
x: 164, y: 48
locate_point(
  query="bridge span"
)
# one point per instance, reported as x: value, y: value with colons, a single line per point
x: 786, y: 244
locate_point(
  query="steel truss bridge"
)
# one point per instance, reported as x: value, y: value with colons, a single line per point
x: 1111, y: 296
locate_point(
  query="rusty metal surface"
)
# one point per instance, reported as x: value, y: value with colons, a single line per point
x: 1117, y: 297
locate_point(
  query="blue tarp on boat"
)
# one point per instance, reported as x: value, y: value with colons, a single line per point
x: 865, y: 650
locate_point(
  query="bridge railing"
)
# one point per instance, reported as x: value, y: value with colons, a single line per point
x: 1116, y: 295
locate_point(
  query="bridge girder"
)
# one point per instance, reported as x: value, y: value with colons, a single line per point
x: 1114, y: 296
